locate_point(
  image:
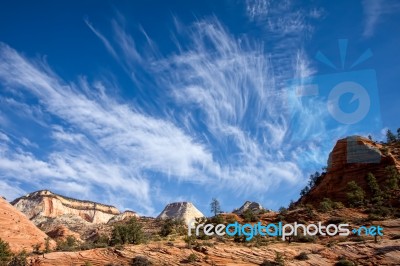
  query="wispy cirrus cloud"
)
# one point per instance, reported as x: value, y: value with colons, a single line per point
x: 216, y: 118
x: 374, y: 10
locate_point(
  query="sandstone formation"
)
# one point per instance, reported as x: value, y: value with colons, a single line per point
x: 352, y: 159
x: 44, y: 203
x: 17, y: 230
x: 185, y: 211
x: 126, y: 215
x: 249, y: 205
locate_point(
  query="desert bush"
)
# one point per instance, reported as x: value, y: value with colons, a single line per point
x: 20, y: 260
x: 47, y: 248
x: 249, y: 216
x: 279, y: 260
x: 5, y: 253
x: 344, y: 262
x: 218, y: 219
x: 167, y: 227
x: 130, y: 233
x: 326, y: 205
x: 69, y: 244
x: 268, y: 263
x: 302, y: 256
x: 230, y: 219
x: 239, y: 239
x: 190, y: 241
x: 140, y: 261
x: 191, y: 258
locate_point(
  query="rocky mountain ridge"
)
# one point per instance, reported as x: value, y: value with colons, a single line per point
x: 45, y: 203
x: 249, y: 205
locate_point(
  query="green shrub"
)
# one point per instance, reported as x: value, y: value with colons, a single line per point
x: 326, y: 205
x: 218, y: 219
x: 302, y: 256
x: 141, y: 261
x: 130, y: 233
x: 279, y: 260
x: 192, y: 258
x: 268, y: 263
x: 167, y: 227
x: 249, y: 216
x: 21, y: 260
x: 230, y: 219
x: 344, y: 262
x: 5, y: 253
x: 69, y: 244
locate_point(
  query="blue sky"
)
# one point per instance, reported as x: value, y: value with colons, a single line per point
x: 138, y: 104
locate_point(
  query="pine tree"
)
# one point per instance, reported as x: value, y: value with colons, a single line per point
x: 393, y: 176
x: 355, y: 194
x: 390, y: 137
x: 376, y: 193
x: 215, y: 207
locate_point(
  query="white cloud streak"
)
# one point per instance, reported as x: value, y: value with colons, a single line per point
x: 228, y: 131
x: 374, y: 10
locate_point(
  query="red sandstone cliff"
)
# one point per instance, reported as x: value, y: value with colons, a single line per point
x: 352, y: 159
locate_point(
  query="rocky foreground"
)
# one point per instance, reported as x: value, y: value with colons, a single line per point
x: 214, y: 252
x: 360, y: 186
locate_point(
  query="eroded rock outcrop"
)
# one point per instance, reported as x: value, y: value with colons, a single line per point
x: 249, y: 205
x: 44, y: 203
x: 352, y: 159
x: 185, y: 211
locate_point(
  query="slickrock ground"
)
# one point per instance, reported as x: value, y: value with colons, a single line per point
x: 385, y: 252
x: 18, y: 230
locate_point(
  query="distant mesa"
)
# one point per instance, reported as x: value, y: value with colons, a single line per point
x: 185, y: 211
x: 249, y: 205
x: 45, y: 203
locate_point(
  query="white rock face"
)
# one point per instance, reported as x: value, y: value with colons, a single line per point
x: 185, y: 211
x: 44, y: 203
x: 249, y: 205
x: 123, y: 216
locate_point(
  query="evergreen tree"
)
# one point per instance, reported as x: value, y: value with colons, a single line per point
x: 390, y: 137
x: 393, y: 176
x: 374, y: 189
x: 355, y: 194
x: 215, y: 207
